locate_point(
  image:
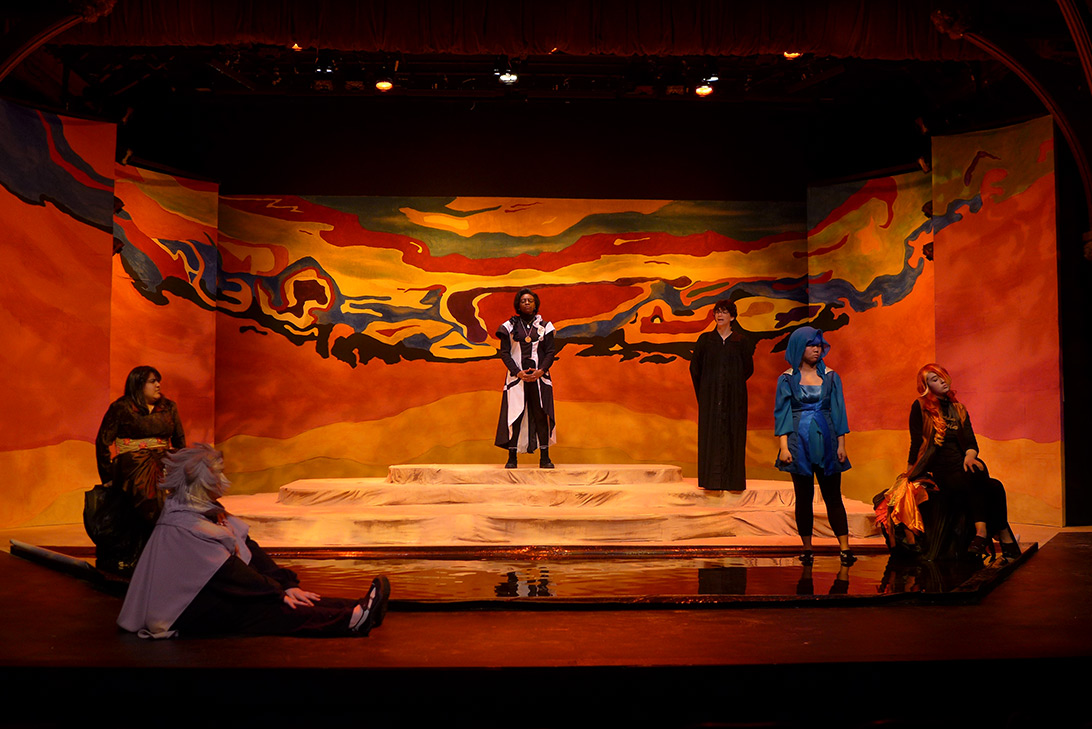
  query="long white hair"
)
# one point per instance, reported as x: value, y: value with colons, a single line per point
x: 194, y: 475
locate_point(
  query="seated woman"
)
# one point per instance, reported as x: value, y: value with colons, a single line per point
x: 141, y: 426
x: 201, y: 574
x: 944, y: 451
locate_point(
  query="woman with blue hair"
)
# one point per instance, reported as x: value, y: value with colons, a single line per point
x: 810, y: 423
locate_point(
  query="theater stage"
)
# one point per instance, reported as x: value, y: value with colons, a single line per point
x: 1017, y: 656
x: 1012, y: 654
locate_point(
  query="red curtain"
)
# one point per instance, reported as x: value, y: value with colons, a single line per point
x: 876, y: 29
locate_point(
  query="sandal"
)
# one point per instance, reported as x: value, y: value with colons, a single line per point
x: 847, y: 557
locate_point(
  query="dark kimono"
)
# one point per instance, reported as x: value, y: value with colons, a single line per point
x: 720, y: 368
x: 142, y: 439
x: 527, y: 419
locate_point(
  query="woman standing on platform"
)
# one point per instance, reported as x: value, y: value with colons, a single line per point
x: 527, y: 407
x: 810, y: 422
x: 943, y: 445
x: 142, y: 426
x: 719, y: 366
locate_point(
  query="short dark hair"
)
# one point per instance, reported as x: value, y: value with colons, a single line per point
x: 726, y: 305
x: 520, y: 294
x: 134, y: 384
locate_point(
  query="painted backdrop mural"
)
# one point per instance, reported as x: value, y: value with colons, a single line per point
x: 335, y: 336
x: 382, y: 312
x: 56, y: 197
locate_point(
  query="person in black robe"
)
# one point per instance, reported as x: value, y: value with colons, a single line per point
x: 720, y: 365
x: 527, y: 421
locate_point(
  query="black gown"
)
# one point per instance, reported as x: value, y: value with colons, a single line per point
x: 962, y: 496
x: 720, y: 369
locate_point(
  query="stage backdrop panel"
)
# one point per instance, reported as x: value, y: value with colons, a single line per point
x: 335, y: 336
x: 871, y: 291
x: 163, y: 297
x: 358, y: 332
x: 56, y: 200
x: 997, y: 303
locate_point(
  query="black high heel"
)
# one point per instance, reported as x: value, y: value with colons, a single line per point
x: 807, y: 557
x: 512, y: 462
x: 979, y: 546
x: 847, y: 558
x: 1009, y: 550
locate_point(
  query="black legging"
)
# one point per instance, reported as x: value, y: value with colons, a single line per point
x: 831, y: 489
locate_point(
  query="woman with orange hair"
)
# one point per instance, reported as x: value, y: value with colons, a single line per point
x: 943, y: 445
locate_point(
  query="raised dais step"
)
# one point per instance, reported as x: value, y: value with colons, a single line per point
x: 484, y: 505
x: 567, y: 475
x: 646, y: 496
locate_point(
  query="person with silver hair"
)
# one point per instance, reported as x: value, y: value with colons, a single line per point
x: 201, y: 573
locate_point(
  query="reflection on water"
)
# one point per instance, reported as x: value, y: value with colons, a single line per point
x: 625, y: 578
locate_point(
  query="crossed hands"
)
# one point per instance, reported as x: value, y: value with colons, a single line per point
x: 529, y: 375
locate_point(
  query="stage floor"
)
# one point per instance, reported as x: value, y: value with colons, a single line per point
x: 1014, y: 657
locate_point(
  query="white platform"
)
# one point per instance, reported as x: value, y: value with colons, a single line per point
x: 432, y: 505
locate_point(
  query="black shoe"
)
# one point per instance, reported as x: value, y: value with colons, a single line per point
x: 375, y: 606
x: 979, y: 546
x: 847, y: 558
x: 512, y: 462
x: 807, y: 557
x: 544, y: 459
x: 1010, y: 550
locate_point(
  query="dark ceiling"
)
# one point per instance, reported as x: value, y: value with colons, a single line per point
x: 186, y: 100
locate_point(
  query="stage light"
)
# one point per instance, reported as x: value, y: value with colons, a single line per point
x: 325, y: 63
x: 296, y: 47
x: 704, y: 89
x: 384, y: 85
x: 502, y: 69
x: 792, y: 55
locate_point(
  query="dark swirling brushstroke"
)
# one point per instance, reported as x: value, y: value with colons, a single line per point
x: 151, y: 283
x: 800, y: 313
x: 968, y: 175
x: 37, y: 165
x: 822, y: 251
x: 952, y: 215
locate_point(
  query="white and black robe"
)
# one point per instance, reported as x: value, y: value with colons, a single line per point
x: 527, y: 408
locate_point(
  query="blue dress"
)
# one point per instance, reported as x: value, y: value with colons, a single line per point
x: 813, y: 416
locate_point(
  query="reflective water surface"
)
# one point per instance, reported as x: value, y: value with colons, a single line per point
x: 626, y: 579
